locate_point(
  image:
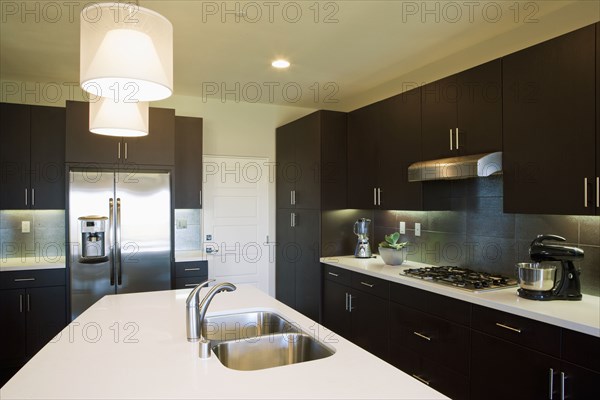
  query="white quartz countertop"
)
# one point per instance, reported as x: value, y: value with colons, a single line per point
x: 189, y: 255
x: 31, y: 263
x: 134, y: 346
x: 582, y: 316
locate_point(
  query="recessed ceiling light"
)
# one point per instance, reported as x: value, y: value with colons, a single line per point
x: 280, y: 64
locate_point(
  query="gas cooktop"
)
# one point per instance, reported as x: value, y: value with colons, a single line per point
x: 462, y: 278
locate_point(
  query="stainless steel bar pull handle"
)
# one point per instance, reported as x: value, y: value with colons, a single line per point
x: 20, y: 303
x: 551, y: 382
x: 119, y: 150
x: 585, y: 194
x: 23, y: 279
x: 508, y: 327
x: 26, y: 197
x: 378, y: 196
x: 451, y: 140
x: 457, y: 145
x: 111, y: 240
x: 200, y: 197
x: 347, y: 301
x: 350, y: 308
x: 422, y: 336
x: 367, y: 284
x: 28, y: 303
x: 374, y: 196
x: 562, y: 385
x: 33, y: 196
x: 417, y: 377
x: 333, y: 274
x: 118, y: 244
x: 192, y: 269
x: 597, y: 191
x: 126, y: 150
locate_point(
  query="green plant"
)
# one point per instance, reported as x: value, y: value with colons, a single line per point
x: 391, y: 242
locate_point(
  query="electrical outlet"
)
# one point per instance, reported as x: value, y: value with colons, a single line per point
x: 417, y: 229
x: 181, y: 223
x: 25, y: 226
x: 402, y: 227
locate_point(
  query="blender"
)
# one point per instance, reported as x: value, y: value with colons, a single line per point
x: 361, y: 229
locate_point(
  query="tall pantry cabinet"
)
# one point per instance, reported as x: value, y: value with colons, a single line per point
x: 311, y: 177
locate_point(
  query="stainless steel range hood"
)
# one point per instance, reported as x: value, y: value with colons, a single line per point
x: 462, y: 167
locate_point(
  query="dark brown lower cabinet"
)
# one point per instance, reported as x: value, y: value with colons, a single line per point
x: 355, y: 314
x: 190, y: 274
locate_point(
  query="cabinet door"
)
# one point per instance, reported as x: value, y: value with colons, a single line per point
x: 549, y: 126
x: 14, y: 156
x: 480, y: 109
x: 514, y: 372
x: 370, y: 323
x: 363, y: 133
x: 188, y: 162
x: 335, y: 313
x: 439, y: 108
x: 85, y: 147
x: 158, y: 148
x: 288, y: 253
x: 307, y: 134
x: 308, y: 266
x: 579, y: 382
x: 288, y: 171
x: 398, y: 147
x: 12, y: 318
x: 48, y: 157
x: 46, y: 316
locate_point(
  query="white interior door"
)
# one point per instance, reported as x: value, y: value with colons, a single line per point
x: 236, y: 219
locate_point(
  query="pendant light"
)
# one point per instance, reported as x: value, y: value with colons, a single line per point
x: 126, y: 50
x: 114, y: 118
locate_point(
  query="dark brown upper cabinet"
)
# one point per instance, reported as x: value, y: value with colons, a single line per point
x: 188, y: 162
x: 462, y: 113
x: 383, y: 140
x: 32, y: 157
x: 82, y: 146
x: 549, y: 118
x: 311, y: 162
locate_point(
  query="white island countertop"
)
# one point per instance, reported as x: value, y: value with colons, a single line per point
x: 581, y: 316
x: 134, y: 346
x: 31, y: 263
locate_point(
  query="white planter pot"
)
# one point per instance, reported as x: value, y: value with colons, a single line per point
x: 391, y: 256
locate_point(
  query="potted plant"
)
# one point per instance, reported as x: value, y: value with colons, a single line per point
x: 392, y: 252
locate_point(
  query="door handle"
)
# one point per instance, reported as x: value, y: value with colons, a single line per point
x: 417, y: 377
x: 200, y: 197
x: 119, y: 150
x: 23, y: 279
x: 562, y: 385
x: 111, y: 241
x: 367, y: 284
x: 33, y: 196
x: 20, y: 303
x: 191, y: 269
x: 597, y: 191
x: 378, y: 196
x: 422, y: 336
x: 585, y: 194
x: 510, y: 328
x: 346, y: 301
x: 29, y: 309
x: 126, y: 150
x: 350, y: 308
x: 374, y: 196
x: 26, y: 197
x: 333, y: 274
x: 457, y: 145
x: 451, y: 140
x: 118, y: 243
x: 551, y: 383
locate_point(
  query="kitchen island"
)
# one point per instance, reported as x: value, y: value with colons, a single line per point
x: 134, y: 346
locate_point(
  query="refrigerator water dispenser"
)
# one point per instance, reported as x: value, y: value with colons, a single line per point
x: 93, y: 243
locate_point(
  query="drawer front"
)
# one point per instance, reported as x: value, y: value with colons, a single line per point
x: 581, y: 349
x: 191, y: 282
x: 441, y: 306
x: 335, y: 274
x: 32, y: 278
x: 523, y: 331
x: 436, y: 339
x: 191, y: 268
x: 448, y: 382
x: 368, y: 284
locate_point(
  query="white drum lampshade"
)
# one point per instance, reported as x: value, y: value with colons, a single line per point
x: 111, y: 118
x: 126, y: 51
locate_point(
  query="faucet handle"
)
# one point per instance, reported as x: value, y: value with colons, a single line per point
x: 193, y: 298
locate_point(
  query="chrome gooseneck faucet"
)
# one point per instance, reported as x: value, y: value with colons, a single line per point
x: 196, y: 310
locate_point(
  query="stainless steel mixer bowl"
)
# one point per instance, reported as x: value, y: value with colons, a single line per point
x: 535, y: 276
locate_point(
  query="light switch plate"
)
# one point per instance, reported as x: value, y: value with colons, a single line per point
x: 25, y: 226
x: 402, y: 227
x: 417, y: 229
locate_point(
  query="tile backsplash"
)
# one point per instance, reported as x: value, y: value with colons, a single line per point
x: 45, y: 239
x: 476, y: 233
x: 188, y: 229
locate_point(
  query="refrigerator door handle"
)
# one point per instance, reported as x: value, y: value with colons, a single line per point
x: 110, y: 243
x: 118, y: 243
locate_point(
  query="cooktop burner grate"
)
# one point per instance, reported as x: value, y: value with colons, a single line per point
x: 462, y: 278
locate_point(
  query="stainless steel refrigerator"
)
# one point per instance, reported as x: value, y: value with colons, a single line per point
x: 119, y: 234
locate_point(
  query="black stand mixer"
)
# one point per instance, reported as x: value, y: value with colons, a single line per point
x: 568, y: 286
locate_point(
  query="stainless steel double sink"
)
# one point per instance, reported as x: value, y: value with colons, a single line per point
x: 259, y: 340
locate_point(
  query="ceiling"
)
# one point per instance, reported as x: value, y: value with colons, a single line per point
x: 344, y: 53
